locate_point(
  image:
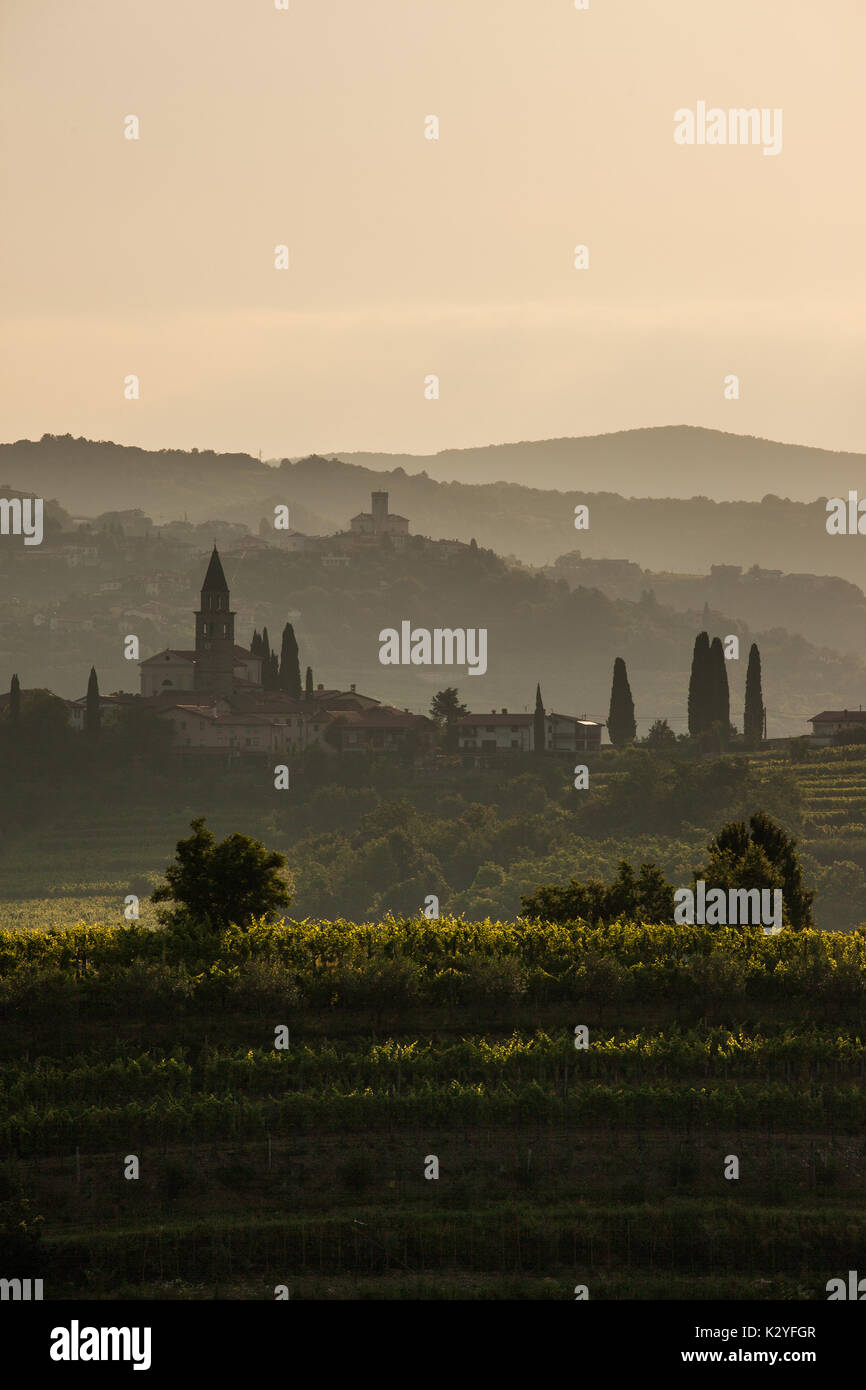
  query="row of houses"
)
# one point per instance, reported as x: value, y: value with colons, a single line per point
x: 338, y: 721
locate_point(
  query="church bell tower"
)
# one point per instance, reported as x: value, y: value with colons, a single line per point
x: 214, y: 632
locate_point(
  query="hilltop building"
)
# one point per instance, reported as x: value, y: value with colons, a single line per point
x: 380, y: 522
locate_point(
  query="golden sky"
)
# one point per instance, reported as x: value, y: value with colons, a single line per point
x: 410, y: 256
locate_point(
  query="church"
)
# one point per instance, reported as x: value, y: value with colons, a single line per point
x: 217, y: 665
x: 214, y: 698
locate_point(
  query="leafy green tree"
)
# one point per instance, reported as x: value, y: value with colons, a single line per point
x: 647, y: 898
x: 753, y: 712
x: 214, y: 885
x: 445, y: 706
x: 446, y: 709
x: 661, y: 736
x: 621, y: 726
x: 700, y: 703
x: 762, y: 856
x: 290, y: 670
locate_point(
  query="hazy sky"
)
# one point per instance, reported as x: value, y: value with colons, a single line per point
x: 411, y: 256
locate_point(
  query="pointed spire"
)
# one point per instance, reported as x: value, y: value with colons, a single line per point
x: 215, y: 580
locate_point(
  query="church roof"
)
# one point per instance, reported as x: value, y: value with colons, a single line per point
x: 215, y: 580
x: 186, y: 654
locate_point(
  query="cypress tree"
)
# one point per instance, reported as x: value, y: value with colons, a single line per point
x: 621, y: 726
x: 266, y: 659
x: 308, y: 684
x: 14, y: 700
x: 290, y: 670
x: 256, y: 644
x: 275, y: 672
x: 91, y: 711
x: 699, y: 687
x: 753, y: 713
x: 538, y: 723
x: 720, y: 696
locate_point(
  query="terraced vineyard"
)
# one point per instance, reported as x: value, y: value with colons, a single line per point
x: 303, y: 1165
x: 833, y: 784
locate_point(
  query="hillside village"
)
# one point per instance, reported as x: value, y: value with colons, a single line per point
x: 215, y: 695
x: 78, y: 585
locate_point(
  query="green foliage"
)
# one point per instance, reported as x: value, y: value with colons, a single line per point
x: 648, y: 897
x: 753, y: 712
x: 290, y: 670
x: 661, y: 737
x: 92, y: 713
x: 700, y: 687
x: 214, y: 884
x: 719, y: 695
x: 763, y: 856
x: 621, y: 725
x: 446, y: 708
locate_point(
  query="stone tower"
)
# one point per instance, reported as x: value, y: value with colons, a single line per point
x: 214, y: 632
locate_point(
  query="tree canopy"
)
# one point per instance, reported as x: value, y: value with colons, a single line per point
x: 215, y: 885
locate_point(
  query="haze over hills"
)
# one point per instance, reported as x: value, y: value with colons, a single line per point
x: 533, y: 524
x: 665, y: 461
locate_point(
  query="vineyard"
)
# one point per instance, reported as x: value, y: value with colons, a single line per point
x: 284, y: 1089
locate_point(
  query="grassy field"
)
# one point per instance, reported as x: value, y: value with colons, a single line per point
x: 305, y: 1166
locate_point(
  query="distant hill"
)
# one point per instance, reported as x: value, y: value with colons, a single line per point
x: 668, y: 461
x: 531, y: 523
x: 539, y: 629
x: 825, y: 610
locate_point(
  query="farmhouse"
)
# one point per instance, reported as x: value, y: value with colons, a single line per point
x: 502, y: 732
x: 833, y: 721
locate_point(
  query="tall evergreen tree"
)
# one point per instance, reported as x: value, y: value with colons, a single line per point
x: 266, y: 659
x: 92, y: 719
x: 720, y: 696
x: 290, y: 670
x: 308, y: 684
x: 256, y: 643
x: 275, y: 672
x: 14, y: 700
x: 621, y: 726
x: 538, y: 739
x: 753, y: 713
x: 699, y: 687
